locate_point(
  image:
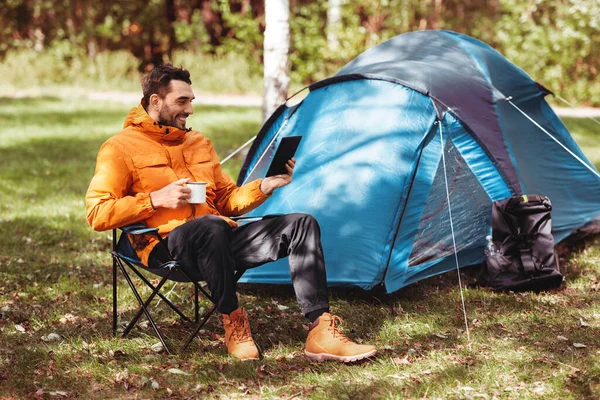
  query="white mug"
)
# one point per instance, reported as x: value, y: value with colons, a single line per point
x: 198, y: 194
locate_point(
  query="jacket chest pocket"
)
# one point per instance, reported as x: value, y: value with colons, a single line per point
x: 153, y: 172
x: 200, y: 165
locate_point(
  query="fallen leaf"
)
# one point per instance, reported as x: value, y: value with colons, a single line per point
x: 52, y: 337
x: 583, y: 323
x: 579, y: 345
x: 400, y: 361
x: 564, y: 339
x: 282, y: 307
x: 177, y: 371
x: 157, y: 347
x: 20, y: 328
x: 396, y: 376
x: 68, y: 317
x: 155, y: 385
x: 121, y: 376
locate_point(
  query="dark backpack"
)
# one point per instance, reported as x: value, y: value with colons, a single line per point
x: 522, y: 234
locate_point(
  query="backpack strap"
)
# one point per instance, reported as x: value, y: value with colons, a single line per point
x: 529, y: 266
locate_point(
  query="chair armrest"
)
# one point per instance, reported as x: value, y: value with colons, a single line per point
x: 258, y: 217
x: 138, y: 229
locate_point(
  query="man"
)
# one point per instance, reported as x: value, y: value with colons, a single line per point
x: 141, y: 175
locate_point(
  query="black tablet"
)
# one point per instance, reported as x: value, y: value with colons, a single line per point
x: 285, y: 151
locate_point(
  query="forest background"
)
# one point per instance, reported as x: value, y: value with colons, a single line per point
x: 91, y: 45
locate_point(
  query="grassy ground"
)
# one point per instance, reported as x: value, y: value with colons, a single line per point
x: 56, y: 281
x: 28, y: 72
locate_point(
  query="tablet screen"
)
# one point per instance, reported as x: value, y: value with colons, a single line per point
x: 285, y: 151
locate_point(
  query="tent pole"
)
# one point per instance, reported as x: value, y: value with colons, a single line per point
x: 553, y: 138
x: 462, y: 297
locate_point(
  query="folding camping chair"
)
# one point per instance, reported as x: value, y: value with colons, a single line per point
x: 125, y: 257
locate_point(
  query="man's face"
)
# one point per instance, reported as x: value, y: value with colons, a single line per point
x: 177, y: 105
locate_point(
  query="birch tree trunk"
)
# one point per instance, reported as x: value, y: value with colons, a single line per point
x: 276, y: 49
x: 334, y: 23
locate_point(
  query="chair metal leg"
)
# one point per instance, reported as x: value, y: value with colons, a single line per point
x: 114, y: 282
x: 196, y: 306
x: 144, y: 309
x: 163, y: 297
x: 193, y: 334
x: 238, y: 275
x: 114, y: 295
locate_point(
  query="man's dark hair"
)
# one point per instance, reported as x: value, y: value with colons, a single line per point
x: 158, y: 80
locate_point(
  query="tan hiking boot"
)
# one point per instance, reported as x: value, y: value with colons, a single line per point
x: 238, y: 336
x: 326, y: 341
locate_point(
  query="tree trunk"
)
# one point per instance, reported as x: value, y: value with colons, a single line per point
x: 171, y: 18
x: 276, y: 49
x: 334, y: 23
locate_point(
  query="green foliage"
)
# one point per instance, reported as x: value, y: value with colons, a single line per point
x: 193, y: 33
x: 308, y: 48
x: 245, y: 35
x: 556, y: 41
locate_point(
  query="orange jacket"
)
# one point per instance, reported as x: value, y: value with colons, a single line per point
x: 145, y: 157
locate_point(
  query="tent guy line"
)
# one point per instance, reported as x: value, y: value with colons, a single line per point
x: 574, y: 107
x: 462, y: 297
x: 238, y: 150
x: 508, y: 99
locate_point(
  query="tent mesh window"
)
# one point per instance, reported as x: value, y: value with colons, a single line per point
x: 470, y: 211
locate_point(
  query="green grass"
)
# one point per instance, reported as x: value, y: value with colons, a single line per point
x: 56, y: 279
x: 31, y: 73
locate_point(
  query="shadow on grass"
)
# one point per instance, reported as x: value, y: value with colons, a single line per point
x: 35, y: 368
x: 46, y: 168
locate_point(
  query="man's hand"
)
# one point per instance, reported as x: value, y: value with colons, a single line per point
x: 174, y: 195
x: 269, y: 184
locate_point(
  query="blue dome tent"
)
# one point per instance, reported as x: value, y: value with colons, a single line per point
x: 403, y: 152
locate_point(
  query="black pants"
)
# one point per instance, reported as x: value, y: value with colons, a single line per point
x: 211, y: 250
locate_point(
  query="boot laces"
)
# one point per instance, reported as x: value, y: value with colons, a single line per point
x: 241, y: 331
x: 336, y: 324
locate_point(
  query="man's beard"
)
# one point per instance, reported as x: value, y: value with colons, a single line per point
x: 165, y: 119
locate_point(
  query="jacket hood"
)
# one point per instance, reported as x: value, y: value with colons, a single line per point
x: 139, y: 119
